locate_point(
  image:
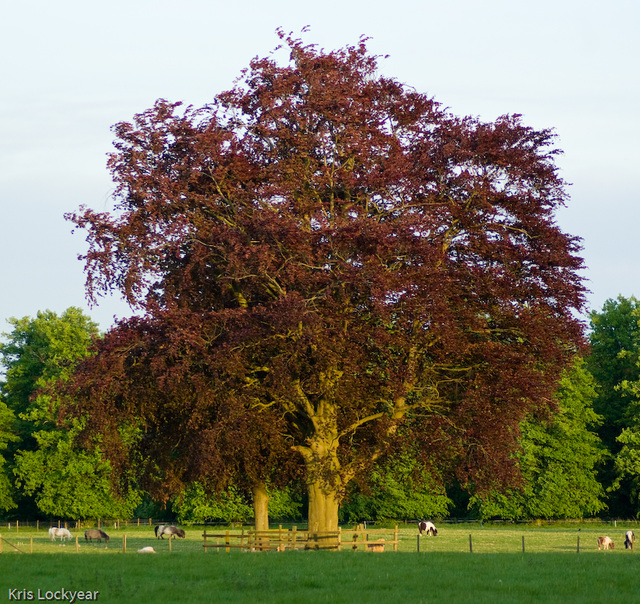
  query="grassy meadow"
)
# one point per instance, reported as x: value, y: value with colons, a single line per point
x: 550, y: 569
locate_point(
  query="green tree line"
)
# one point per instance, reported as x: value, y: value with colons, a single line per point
x: 582, y: 460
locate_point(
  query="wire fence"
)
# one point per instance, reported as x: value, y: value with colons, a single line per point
x: 45, y: 524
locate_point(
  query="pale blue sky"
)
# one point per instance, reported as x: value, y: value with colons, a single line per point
x: 71, y: 69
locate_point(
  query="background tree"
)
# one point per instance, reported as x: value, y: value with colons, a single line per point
x: 615, y: 351
x: 196, y: 505
x: 349, y: 258
x: 37, y: 352
x: 626, y: 453
x: 613, y: 361
x: 627, y: 468
x: 7, y: 435
x: 400, y: 488
x: 68, y: 482
x: 558, y: 459
x: 50, y: 474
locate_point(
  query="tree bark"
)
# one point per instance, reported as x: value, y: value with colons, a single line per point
x: 325, y: 476
x: 324, y: 484
x: 323, y: 507
x: 261, y: 506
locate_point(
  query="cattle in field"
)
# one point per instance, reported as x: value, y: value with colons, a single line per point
x: 96, y: 534
x: 63, y: 533
x: 629, y: 539
x: 424, y: 526
x: 605, y: 543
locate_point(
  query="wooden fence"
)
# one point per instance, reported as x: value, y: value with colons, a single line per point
x: 292, y: 539
x: 17, y: 525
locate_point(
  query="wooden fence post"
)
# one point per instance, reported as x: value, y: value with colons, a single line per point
x: 418, y: 542
x: 470, y: 544
x: 578, y: 550
x: 523, y: 544
x: 226, y: 540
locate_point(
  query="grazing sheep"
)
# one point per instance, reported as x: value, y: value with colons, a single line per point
x: 605, y: 543
x: 96, y: 534
x: 63, y: 533
x: 162, y: 530
x: 629, y: 540
x: 147, y: 550
x: 427, y: 527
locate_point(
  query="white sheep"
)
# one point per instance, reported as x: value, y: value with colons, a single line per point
x: 147, y: 550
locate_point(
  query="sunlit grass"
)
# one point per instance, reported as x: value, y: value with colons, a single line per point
x: 550, y: 570
x: 461, y: 538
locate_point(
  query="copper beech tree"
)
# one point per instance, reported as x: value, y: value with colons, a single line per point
x: 336, y: 259
x: 165, y: 413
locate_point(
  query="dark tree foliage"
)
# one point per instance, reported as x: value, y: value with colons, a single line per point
x: 330, y: 252
x: 615, y: 352
x: 558, y: 459
x: 166, y: 409
x: 614, y: 362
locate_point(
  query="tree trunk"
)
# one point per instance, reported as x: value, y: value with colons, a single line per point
x: 324, y: 486
x: 325, y: 477
x: 323, y: 507
x: 261, y: 506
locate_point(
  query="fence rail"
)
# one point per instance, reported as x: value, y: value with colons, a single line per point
x: 16, y: 525
x: 456, y: 540
x: 292, y: 539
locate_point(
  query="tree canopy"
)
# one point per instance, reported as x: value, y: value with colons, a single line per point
x: 615, y: 352
x: 613, y: 361
x: 558, y: 459
x: 47, y: 472
x: 7, y: 420
x: 326, y: 250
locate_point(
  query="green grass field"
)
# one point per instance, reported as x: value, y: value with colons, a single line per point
x: 550, y: 570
